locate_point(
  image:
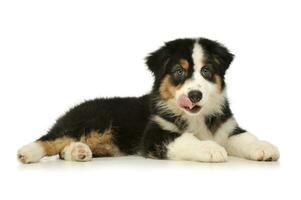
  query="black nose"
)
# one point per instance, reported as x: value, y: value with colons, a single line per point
x: 195, y: 96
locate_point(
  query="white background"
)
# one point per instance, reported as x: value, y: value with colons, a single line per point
x: 55, y: 54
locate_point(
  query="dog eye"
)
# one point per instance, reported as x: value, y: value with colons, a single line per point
x: 180, y: 72
x: 206, y: 73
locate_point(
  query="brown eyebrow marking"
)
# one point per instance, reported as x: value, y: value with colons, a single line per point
x: 184, y: 63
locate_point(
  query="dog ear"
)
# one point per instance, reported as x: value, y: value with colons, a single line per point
x: 223, y: 58
x: 157, y: 61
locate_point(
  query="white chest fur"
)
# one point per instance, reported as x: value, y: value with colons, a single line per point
x: 197, y: 126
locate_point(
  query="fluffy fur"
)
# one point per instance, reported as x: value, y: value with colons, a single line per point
x: 185, y: 117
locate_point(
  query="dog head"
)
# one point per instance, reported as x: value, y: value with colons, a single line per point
x: 189, y: 75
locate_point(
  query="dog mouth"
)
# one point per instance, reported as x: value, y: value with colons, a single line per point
x: 185, y: 103
x: 193, y: 109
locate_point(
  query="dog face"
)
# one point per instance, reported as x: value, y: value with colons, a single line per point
x: 189, y: 75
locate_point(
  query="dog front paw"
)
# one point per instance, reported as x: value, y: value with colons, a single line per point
x: 263, y: 151
x: 188, y: 147
x: 212, y: 152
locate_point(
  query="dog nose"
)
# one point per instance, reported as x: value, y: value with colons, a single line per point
x: 195, y: 96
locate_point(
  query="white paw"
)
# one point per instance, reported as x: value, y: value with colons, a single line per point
x: 188, y: 147
x: 77, y: 151
x: 263, y: 151
x: 212, y: 152
x: 31, y: 153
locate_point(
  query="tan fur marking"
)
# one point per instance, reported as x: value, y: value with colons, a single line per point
x: 167, y: 90
x: 184, y: 63
x: 218, y: 81
x: 101, y: 144
x: 54, y: 147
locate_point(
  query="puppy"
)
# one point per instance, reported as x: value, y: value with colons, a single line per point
x: 186, y: 116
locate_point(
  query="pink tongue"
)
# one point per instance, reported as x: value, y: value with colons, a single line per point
x: 184, y: 101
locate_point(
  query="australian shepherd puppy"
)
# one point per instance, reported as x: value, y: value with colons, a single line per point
x: 186, y: 116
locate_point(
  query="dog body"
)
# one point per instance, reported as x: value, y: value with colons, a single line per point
x: 185, y: 117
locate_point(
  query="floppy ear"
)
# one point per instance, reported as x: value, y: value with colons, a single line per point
x: 223, y: 58
x: 157, y: 61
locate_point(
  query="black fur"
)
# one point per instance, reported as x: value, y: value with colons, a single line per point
x: 130, y: 118
x: 237, y: 131
x: 217, y: 119
x: 126, y: 116
x: 219, y: 52
x: 154, y: 141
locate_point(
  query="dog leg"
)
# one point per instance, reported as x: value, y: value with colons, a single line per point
x: 31, y: 153
x: 246, y: 145
x: 188, y: 147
